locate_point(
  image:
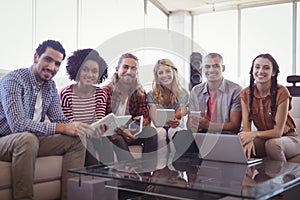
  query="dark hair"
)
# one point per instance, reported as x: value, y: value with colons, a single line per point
x: 273, y: 89
x: 127, y: 55
x: 214, y: 55
x: 79, y: 57
x: 53, y: 44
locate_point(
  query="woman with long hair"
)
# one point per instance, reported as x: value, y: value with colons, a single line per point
x: 267, y: 103
x: 167, y: 93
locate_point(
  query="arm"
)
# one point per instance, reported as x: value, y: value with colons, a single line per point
x: 138, y: 106
x: 18, y: 104
x: 152, y: 106
x: 233, y: 125
x: 277, y: 131
x: 152, y: 113
x: 65, y: 96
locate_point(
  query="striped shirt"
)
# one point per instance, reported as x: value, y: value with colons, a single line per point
x: 18, y: 95
x: 83, y: 109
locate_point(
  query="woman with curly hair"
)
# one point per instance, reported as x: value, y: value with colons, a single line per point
x: 267, y: 104
x: 167, y: 93
x: 85, y: 102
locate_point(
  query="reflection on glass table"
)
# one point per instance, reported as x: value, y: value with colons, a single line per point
x: 190, y: 177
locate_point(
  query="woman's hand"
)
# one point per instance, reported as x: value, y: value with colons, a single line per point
x: 248, y: 149
x: 100, y: 130
x: 173, y: 123
x: 247, y: 136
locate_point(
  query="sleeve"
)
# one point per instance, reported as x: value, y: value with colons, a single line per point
x: 108, y: 91
x: 13, y: 94
x: 282, y: 95
x: 150, y: 100
x: 141, y: 107
x: 244, y: 95
x: 101, y: 99
x: 55, y: 112
x: 236, y: 100
x: 193, y: 100
x: 184, y: 99
x: 66, y: 102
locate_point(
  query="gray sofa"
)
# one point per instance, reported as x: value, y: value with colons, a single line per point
x: 47, y: 182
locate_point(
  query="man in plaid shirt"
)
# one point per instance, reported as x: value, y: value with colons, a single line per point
x: 126, y: 96
x: 27, y: 96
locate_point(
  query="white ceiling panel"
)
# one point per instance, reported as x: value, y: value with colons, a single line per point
x: 203, y: 6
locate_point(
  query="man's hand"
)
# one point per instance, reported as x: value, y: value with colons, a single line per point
x: 203, y: 121
x: 126, y: 133
x: 193, y: 123
x: 74, y: 129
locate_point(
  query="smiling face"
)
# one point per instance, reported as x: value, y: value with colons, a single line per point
x: 127, y: 71
x: 89, y: 73
x: 262, y: 70
x: 213, y: 68
x: 165, y: 75
x: 47, y: 65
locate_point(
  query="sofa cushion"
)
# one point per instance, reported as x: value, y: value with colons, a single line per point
x: 47, y: 168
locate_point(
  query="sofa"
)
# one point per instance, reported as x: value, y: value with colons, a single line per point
x: 47, y: 181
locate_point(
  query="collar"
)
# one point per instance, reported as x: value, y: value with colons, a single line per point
x: 34, y: 81
x: 221, y: 88
x: 256, y: 94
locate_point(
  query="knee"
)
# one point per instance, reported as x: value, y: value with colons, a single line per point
x: 161, y: 134
x: 27, y: 142
x: 148, y: 132
x: 272, y: 145
x: 119, y: 141
x: 274, y: 149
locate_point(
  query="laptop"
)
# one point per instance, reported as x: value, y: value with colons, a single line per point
x: 222, y: 147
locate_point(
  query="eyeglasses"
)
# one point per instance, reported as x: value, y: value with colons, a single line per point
x: 215, y: 66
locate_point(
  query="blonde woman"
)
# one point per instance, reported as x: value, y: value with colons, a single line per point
x: 167, y: 93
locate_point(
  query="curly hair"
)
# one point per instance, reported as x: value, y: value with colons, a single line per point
x: 53, y: 44
x: 78, y: 57
x: 158, y: 88
x: 273, y: 89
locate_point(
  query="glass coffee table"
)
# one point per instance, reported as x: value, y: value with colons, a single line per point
x: 189, y: 177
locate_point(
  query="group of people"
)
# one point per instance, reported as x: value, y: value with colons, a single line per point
x: 29, y: 96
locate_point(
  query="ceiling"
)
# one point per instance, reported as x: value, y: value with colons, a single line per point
x: 196, y: 7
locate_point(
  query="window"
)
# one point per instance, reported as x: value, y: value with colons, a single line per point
x: 16, y: 34
x: 217, y: 32
x: 267, y: 29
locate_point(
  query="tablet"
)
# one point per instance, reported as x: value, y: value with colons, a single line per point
x: 163, y: 115
x: 137, y: 125
x: 112, y: 121
x: 195, y: 114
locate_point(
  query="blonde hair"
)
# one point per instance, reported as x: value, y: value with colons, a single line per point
x: 158, y: 89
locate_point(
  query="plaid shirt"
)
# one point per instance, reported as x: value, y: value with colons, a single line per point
x: 18, y: 94
x: 137, y: 104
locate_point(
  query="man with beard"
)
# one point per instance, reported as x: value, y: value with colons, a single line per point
x: 27, y: 96
x: 126, y: 96
x: 214, y: 106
